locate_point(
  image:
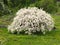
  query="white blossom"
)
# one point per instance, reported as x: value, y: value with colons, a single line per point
x: 30, y: 20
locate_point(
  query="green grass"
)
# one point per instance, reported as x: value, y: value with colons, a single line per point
x: 50, y: 38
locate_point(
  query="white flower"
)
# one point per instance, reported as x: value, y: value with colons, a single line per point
x: 30, y: 20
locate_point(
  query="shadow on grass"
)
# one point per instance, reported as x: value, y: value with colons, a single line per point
x: 51, y: 33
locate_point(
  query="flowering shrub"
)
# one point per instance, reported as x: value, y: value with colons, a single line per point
x: 31, y: 20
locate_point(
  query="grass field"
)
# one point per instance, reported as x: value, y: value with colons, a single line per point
x: 50, y: 38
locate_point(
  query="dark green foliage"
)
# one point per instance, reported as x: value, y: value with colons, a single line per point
x: 14, y: 5
x: 5, y: 2
x: 47, y: 5
x: 4, y: 8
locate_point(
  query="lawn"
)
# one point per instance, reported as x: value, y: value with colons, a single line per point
x: 50, y: 38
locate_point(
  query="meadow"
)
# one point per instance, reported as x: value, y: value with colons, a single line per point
x: 50, y: 38
x: 7, y: 13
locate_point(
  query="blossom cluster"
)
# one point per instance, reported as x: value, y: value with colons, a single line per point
x: 31, y: 20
